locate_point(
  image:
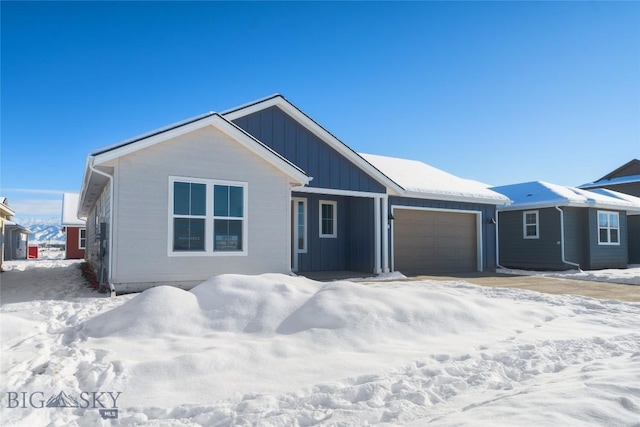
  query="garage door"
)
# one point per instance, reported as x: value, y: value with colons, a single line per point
x: 430, y: 242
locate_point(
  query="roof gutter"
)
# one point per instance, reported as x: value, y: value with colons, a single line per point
x: 564, y: 260
x: 110, y: 226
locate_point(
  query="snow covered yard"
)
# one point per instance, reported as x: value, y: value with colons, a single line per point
x: 276, y: 350
x: 628, y: 276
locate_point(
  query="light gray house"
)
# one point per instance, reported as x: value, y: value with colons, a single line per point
x: 265, y: 188
x: 553, y: 227
x: 15, y: 237
x: 5, y: 217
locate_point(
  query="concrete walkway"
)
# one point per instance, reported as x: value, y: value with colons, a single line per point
x: 549, y: 285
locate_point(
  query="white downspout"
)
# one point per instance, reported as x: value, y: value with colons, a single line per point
x: 110, y: 178
x: 562, y: 240
x: 498, y: 241
x: 377, y: 241
x: 385, y: 234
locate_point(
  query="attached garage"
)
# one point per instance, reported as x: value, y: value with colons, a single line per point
x: 432, y: 241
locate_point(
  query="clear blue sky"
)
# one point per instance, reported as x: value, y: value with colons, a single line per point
x: 500, y: 92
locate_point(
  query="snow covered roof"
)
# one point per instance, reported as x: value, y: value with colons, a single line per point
x: 539, y: 194
x: 629, y: 179
x: 17, y: 226
x: 70, y: 210
x: 4, y: 206
x: 423, y: 181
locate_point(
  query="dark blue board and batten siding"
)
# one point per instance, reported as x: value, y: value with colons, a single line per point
x: 536, y: 254
x: 352, y: 249
x: 290, y: 139
x: 607, y: 256
x: 488, y: 228
x: 544, y: 253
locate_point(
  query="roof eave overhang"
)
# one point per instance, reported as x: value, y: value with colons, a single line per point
x: 456, y: 198
x: 569, y: 204
x: 6, y: 210
x: 297, y: 175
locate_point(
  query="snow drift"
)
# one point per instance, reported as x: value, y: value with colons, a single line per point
x: 282, y: 351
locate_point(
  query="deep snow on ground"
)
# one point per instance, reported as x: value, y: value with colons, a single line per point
x: 628, y: 276
x: 277, y: 350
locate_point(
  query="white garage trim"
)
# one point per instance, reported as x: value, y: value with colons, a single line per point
x: 478, y: 215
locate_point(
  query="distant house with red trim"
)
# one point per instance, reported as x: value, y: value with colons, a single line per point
x: 73, y: 227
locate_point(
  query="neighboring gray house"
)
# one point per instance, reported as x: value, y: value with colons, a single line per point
x: 553, y: 227
x: 14, y: 237
x: 264, y: 188
x: 16, y: 241
x: 5, y: 217
x: 625, y: 179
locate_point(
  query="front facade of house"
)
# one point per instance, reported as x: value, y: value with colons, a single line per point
x: 551, y: 227
x: 73, y: 227
x: 625, y: 179
x: 261, y: 188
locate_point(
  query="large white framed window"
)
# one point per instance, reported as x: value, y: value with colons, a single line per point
x: 328, y: 219
x: 82, y: 238
x: 207, y: 217
x: 531, y: 225
x: 608, y: 228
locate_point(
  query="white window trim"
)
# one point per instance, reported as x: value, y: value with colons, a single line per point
x: 209, y: 218
x: 333, y: 235
x: 80, y: 246
x: 524, y: 224
x: 608, y: 228
x: 296, y: 225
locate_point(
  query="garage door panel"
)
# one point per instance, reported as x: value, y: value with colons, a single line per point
x: 434, y: 241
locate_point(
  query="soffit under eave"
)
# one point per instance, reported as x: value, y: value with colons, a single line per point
x: 92, y: 193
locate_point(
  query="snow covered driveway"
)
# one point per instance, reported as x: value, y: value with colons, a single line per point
x: 280, y: 351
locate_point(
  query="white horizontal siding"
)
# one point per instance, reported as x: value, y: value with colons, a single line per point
x: 99, y: 213
x: 142, y: 207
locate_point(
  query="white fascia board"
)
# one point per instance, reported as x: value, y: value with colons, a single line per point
x: 336, y: 192
x: 565, y: 203
x: 538, y: 205
x: 150, y: 141
x: 261, y: 150
x: 85, y: 183
x: 219, y: 123
x: 455, y: 198
x: 320, y: 132
x: 7, y: 210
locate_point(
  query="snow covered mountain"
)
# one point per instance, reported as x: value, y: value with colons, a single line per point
x: 44, y: 230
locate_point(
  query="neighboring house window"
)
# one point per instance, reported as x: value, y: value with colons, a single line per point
x: 608, y: 228
x: 207, y: 217
x: 82, y: 243
x: 531, y: 225
x: 328, y: 218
